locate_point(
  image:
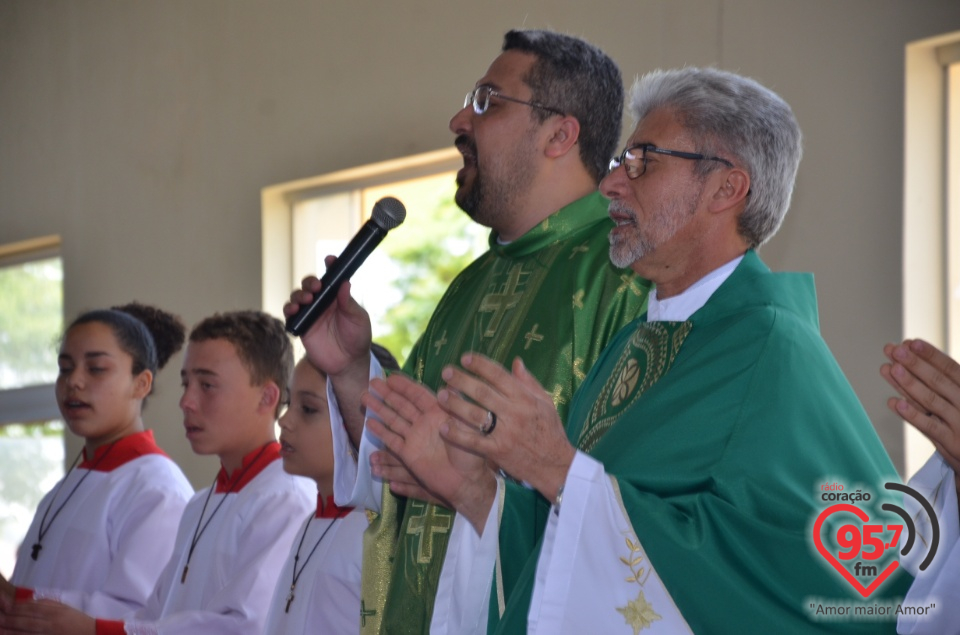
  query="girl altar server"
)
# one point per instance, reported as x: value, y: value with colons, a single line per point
x: 102, y: 535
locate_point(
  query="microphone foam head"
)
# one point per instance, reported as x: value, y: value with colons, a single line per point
x: 388, y: 212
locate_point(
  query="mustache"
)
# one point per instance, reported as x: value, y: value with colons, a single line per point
x: 465, y: 145
x: 618, y: 207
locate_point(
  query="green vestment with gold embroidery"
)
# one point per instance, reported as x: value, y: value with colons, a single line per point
x: 551, y: 297
x: 718, y: 432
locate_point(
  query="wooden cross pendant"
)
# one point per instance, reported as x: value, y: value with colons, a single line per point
x: 36, y: 550
x: 289, y: 600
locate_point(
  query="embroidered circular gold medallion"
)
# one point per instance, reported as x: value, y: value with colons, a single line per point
x: 646, y: 357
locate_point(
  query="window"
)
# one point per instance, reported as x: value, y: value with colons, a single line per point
x: 402, y: 281
x: 931, y: 225
x: 953, y: 201
x: 31, y: 435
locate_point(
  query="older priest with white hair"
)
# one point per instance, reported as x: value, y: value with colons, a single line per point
x: 681, y: 494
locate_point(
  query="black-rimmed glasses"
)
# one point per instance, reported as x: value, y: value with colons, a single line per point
x: 480, y: 96
x: 634, y: 158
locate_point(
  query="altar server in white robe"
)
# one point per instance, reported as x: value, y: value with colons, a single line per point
x: 100, y: 537
x: 233, y: 536
x: 319, y: 586
x: 928, y: 381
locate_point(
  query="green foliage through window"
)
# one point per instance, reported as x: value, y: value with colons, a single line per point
x: 31, y: 318
x: 437, y: 243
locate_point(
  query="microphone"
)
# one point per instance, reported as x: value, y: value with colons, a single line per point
x: 387, y: 213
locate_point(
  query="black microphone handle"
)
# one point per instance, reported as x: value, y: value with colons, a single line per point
x: 345, y: 266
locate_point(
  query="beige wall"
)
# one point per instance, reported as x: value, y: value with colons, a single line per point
x: 143, y: 131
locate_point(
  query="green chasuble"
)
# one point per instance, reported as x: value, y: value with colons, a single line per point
x: 551, y: 297
x: 719, y: 434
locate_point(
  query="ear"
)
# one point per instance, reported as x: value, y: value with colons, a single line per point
x: 142, y: 384
x: 732, y: 191
x: 269, y: 397
x: 563, y: 137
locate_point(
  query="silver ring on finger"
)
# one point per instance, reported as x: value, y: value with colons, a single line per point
x: 489, y: 424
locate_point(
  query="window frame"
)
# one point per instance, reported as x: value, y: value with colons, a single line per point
x: 37, y: 402
x: 278, y: 203
x: 931, y: 206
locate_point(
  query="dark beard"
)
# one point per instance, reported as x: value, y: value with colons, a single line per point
x: 489, y: 202
x: 470, y: 200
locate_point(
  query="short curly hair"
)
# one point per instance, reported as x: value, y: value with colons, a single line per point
x: 261, y: 343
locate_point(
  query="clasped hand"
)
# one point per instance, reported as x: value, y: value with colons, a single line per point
x: 44, y: 617
x: 438, y: 437
x: 928, y: 381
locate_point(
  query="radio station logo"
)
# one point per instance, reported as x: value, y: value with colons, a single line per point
x: 864, y: 548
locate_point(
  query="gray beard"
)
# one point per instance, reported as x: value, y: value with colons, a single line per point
x: 623, y: 253
x: 626, y: 250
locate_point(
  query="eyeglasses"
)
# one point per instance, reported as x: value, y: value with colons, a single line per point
x: 480, y: 96
x: 636, y: 162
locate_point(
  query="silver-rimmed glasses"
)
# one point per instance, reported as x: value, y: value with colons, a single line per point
x: 480, y: 96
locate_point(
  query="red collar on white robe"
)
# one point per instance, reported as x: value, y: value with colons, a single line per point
x: 251, y: 465
x: 328, y: 509
x: 109, y: 457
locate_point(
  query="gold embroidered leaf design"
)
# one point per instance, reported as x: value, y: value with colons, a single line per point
x: 627, y: 381
x: 639, y: 614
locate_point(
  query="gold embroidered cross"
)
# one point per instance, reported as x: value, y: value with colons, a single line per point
x: 629, y: 282
x: 579, y: 249
x: 440, y: 342
x: 578, y: 369
x: 500, y: 303
x: 558, y: 395
x: 532, y: 337
x: 578, y: 299
x: 431, y: 520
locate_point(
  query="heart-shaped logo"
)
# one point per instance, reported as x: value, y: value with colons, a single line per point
x: 862, y: 515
